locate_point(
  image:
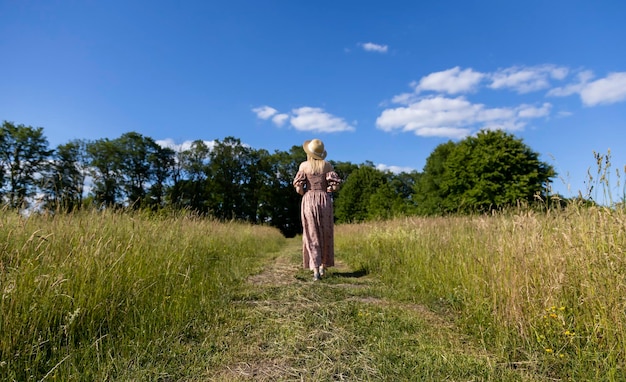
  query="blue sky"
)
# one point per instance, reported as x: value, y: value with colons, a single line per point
x: 380, y: 81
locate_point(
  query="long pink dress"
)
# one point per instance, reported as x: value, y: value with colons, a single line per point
x: 317, y: 218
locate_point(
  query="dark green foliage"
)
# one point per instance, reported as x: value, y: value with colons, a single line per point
x: 280, y: 206
x: 369, y: 193
x: 429, y: 195
x: 128, y: 169
x: 65, y: 181
x: 402, y: 185
x: 488, y: 171
x: 233, y: 184
x: 105, y: 169
x: 163, y: 163
x: 230, y: 180
x: 137, y: 166
x: 23, y: 158
x: 381, y: 202
x: 190, y: 175
x: 354, y: 201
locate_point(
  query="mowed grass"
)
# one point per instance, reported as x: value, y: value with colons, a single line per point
x: 140, y: 297
x: 543, y: 291
x: 291, y: 328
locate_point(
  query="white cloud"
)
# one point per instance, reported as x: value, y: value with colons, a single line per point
x: 574, y: 88
x: 371, y: 47
x: 404, y: 98
x: 264, y: 112
x: 564, y: 114
x: 529, y: 111
x: 451, y: 81
x: 610, y: 89
x: 394, y: 169
x: 171, y: 144
x: 508, y: 125
x: 313, y: 119
x: 432, y: 116
x: 267, y: 112
x: 527, y: 79
x: 494, y: 114
x: 167, y: 143
x: 607, y: 90
x: 446, y: 132
x: 440, y: 116
x: 179, y: 147
x: 458, y: 81
x: 280, y: 119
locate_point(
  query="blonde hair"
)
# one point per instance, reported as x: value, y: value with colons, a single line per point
x: 317, y: 165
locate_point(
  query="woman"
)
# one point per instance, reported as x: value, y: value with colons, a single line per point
x: 315, y: 180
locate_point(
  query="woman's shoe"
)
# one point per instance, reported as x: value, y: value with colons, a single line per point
x: 316, y: 274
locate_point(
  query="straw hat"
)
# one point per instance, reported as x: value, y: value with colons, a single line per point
x: 315, y: 148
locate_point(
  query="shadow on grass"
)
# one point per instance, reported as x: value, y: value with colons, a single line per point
x: 354, y: 274
x: 306, y: 275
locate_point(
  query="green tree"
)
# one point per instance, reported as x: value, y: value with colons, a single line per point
x: 429, y: 195
x: 343, y: 170
x: 382, y: 203
x: 353, y: 203
x: 131, y: 170
x: 491, y: 170
x: 66, y: 179
x: 402, y: 186
x: 137, y: 165
x: 390, y: 194
x: 105, y: 168
x: 258, y: 185
x: 163, y: 164
x: 280, y: 205
x: 23, y: 161
x: 231, y: 181
x: 190, y: 188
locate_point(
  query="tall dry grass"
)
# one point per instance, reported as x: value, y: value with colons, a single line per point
x: 88, y: 295
x: 545, y: 290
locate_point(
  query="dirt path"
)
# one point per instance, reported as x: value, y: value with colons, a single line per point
x: 283, y: 269
x: 291, y: 328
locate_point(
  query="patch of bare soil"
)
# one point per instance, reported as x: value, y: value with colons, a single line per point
x: 279, y: 273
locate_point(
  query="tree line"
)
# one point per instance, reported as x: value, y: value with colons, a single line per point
x: 230, y: 180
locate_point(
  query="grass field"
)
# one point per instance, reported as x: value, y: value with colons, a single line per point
x: 132, y: 297
x: 544, y: 292
x: 106, y: 296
